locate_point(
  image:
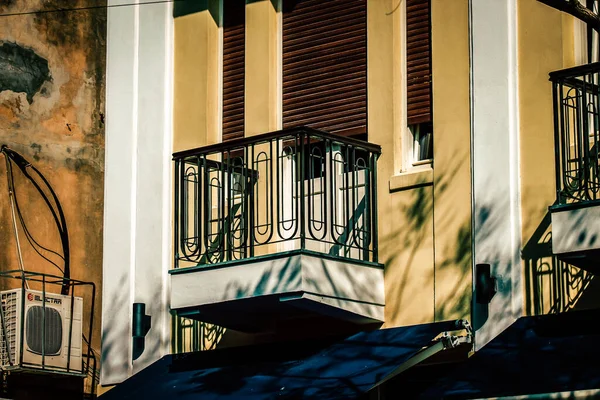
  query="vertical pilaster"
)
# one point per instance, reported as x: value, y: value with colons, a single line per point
x: 197, y: 74
x: 495, y: 150
x: 262, y: 99
x: 451, y: 159
x: 137, y: 185
x: 405, y: 225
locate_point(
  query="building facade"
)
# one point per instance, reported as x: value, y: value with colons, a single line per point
x: 290, y: 170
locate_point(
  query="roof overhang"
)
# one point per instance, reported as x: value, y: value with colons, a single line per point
x: 331, y: 368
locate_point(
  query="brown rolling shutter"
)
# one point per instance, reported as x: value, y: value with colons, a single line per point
x: 233, y: 69
x: 325, y: 65
x: 418, y: 61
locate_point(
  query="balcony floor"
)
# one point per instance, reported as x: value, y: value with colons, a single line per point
x: 283, y: 290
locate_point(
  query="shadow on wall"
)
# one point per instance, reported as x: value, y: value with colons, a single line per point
x: 114, y: 357
x: 487, y: 224
x: 455, y: 256
x: 402, y: 245
x: 346, y: 284
x: 190, y: 335
x: 400, y: 250
x: 553, y: 286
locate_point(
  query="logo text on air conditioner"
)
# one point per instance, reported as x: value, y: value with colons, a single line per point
x: 37, y: 297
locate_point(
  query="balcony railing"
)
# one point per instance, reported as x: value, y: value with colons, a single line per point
x: 576, y: 98
x: 291, y: 190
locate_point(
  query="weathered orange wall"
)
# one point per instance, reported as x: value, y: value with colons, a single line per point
x: 60, y: 130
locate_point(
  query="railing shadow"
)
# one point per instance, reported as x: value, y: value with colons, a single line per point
x: 553, y: 286
x: 297, y: 189
x: 190, y: 335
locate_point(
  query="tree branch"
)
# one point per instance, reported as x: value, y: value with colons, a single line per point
x: 576, y: 9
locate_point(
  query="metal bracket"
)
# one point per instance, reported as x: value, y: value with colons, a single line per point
x: 464, y: 324
x: 445, y: 342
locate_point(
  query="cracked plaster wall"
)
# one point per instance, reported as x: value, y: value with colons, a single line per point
x: 52, y: 86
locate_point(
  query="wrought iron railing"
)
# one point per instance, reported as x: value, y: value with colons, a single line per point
x: 576, y: 95
x: 296, y: 189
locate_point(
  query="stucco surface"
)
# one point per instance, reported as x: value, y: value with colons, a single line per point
x: 52, y: 73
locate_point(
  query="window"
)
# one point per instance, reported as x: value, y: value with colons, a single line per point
x: 422, y: 146
x: 418, y: 83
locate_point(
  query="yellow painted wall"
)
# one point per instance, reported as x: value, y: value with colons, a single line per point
x: 405, y: 246
x: 196, y: 108
x: 546, y: 40
x: 540, y: 52
x: 426, y: 250
x: 197, y: 72
x: 262, y: 98
x: 452, y: 162
x: 197, y: 111
x: 427, y: 275
x: 196, y: 116
x: 424, y: 216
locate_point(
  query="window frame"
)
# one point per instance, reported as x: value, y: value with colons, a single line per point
x: 411, y: 133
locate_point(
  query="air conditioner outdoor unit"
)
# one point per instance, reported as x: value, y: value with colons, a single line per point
x: 41, y: 348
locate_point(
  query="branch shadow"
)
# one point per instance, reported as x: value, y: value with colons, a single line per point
x: 403, y: 245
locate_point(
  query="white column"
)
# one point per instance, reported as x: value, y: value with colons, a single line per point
x: 137, y: 186
x: 495, y: 147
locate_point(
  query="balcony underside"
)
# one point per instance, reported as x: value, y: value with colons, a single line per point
x: 281, y: 291
x: 576, y: 234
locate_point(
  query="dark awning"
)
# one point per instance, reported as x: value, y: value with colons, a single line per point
x: 328, y: 369
x: 535, y: 355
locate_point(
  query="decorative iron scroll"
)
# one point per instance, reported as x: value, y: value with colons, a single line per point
x: 289, y: 190
x: 576, y: 93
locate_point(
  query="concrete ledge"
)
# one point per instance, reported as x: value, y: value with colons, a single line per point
x: 575, y: 229
x: 353, y: 289
x: 411, y: 179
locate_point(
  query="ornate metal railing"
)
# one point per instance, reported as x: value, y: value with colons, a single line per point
x: 296, y: 189
x: 576, y: 95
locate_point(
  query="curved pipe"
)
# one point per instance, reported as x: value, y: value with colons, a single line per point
x: 59, y: 216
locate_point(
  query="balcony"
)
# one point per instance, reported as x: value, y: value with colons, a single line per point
x: 276, y: 231
x: 576, y: 213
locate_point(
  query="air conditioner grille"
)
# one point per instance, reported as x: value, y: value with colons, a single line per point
x: 53, y: 331
x: 8, y: 344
